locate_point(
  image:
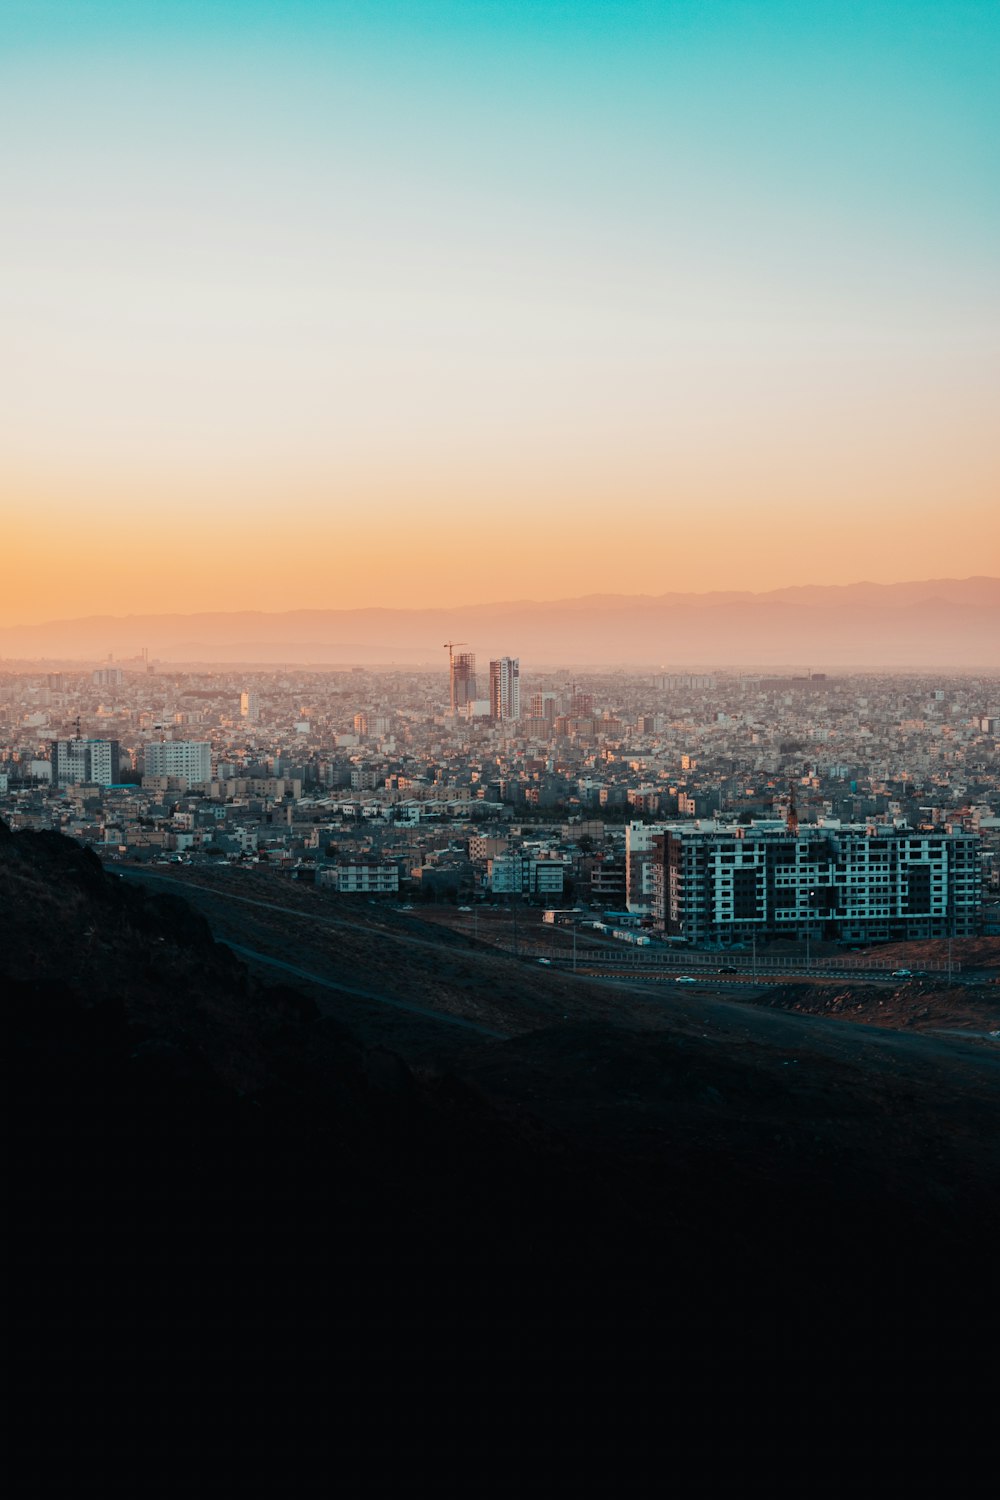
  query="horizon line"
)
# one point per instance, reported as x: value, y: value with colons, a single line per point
x: 507, y: 603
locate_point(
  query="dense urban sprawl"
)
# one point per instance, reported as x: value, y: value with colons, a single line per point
x: 567, y: 791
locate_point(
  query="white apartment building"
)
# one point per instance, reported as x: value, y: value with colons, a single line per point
x: 84, y: 762
x: 505, y: 688
x: 640, y: 884
x: 864, y: 883
x: 525, y: 874
x: 363, y: 877
x: 190, y: 759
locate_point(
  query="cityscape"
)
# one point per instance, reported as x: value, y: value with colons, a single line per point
x: 500, y: 746
x: 676, y: 799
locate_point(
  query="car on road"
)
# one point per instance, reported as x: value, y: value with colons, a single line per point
x: 685, y: 979
x: 902, y: 974
x: 727, y: 969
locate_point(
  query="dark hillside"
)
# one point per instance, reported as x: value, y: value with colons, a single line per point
x: 217, y: 1189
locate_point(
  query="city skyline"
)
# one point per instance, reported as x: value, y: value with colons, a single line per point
x: 303, y: 308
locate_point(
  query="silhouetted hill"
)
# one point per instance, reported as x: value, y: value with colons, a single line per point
x: 936, y: 623
x: 212, y: 1180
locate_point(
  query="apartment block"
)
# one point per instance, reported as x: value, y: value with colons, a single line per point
x: 856, y: 883
x: 84, y: 762
x: 190, y: 759
x: 363, y: 877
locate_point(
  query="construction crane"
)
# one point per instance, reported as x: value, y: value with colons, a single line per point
x: 449, y: 647
x: 792, y: 815
x: 792, y: 819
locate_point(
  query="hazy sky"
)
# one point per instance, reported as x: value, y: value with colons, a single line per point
x: 450, y: 300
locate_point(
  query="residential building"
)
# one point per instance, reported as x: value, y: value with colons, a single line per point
x: 505, y: 688
x: 190, y: 759
x: 863, y: 883
x: 78, y: 761
x: 525, y: 874
x: 640, y: 884
x: 361, y: 877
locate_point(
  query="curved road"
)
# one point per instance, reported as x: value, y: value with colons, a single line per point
x: 255, y: 956
x: 350, y: 989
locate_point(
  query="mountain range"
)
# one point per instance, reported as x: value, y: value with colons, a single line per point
x: 934, y: 623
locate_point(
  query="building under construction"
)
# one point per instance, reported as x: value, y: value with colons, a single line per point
x: 462, y: 677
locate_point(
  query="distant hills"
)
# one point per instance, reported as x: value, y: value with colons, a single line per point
x: 937, y: 623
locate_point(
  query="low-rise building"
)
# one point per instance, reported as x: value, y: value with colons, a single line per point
x: 361, y: 877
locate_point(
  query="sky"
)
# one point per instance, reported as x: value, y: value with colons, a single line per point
x: 413, y: 302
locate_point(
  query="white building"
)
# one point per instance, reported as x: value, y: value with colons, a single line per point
x: 864, y: 883
x: 363, y: 877
x: 84, y: 762
x: 640, y: 884
x: 505, y: 688
x: 191, y: 759
x: 249, y: 707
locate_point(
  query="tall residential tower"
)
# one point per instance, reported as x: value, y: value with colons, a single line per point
x: 505, y: 688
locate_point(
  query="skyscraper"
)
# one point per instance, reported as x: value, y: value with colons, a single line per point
x: 505, y: 688
x: 249, y: 706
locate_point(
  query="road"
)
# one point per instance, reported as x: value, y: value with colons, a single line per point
x: 254, y: 955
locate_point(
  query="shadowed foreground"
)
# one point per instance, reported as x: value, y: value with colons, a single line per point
x: 231, y: 1203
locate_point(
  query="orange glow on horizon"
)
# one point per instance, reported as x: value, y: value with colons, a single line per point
x: 146, y: 549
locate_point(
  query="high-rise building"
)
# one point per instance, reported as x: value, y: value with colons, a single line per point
x: 249, y: 706
x: 190, y: 759
x: 505, y: 688
x: 543, y: 705
x: 90, y: 762
x: 463, y: 679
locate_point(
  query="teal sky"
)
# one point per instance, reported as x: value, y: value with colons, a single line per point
x: 719, y: 259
